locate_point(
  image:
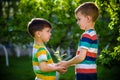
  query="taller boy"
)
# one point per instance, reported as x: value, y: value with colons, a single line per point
x: 86, y: 54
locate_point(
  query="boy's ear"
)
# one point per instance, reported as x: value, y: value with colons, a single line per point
x: 89, y: 18
x: 38, y: 33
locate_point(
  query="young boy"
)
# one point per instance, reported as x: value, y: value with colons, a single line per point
x: 86, y: 54
x: 43, y: 66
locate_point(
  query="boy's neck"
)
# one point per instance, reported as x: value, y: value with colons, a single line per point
x: 90, y: 26
x: 38, y: 42
x: 89, y: 29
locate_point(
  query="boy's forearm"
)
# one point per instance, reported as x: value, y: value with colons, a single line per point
x: 48, y: 68
x: 75, y: 60
x: 78, y: 58
x: 70, y: 62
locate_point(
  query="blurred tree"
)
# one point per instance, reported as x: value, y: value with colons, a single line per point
x: 8, y: 9
x: 15, y: 14
x: 60, y: 13
x: 110, y: 9
x: 1, y: 13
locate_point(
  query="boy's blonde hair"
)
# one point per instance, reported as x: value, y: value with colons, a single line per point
x: 88, y: 9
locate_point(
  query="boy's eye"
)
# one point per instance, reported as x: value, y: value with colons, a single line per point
x: 78, y: 19
x: 48, y: 30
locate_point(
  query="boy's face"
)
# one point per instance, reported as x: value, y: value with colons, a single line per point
x: 82, y: 20
x: 45, y: 34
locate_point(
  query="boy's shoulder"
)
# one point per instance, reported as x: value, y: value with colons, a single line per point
x: 90, y: 32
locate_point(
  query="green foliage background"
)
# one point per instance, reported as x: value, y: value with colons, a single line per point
x: 65, y: 30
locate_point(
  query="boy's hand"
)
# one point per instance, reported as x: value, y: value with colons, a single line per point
x: 61, y: 69
x: 63, y: 63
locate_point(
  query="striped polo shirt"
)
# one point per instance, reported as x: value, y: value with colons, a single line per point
x: 86, y: 70
x: 40, y: 53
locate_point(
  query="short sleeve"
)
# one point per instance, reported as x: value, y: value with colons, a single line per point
x: 41, y: 55
x: 84, y: 43
x: 88, y: 40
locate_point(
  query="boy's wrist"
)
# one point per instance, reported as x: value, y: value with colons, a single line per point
x: 57, y: 69
x: 68, y: 63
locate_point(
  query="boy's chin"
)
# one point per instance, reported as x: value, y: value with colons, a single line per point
x: 46, y: 40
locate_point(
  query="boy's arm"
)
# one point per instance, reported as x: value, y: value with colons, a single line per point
x: 49, y: 68
x: 76, y: 59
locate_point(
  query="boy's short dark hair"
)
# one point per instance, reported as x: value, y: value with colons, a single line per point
x: 37, y: 24
x: 88, y: 8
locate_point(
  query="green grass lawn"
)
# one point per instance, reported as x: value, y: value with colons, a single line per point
x: 21, y: 69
